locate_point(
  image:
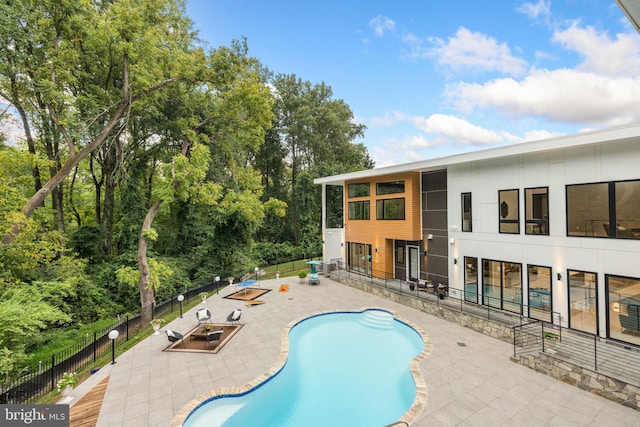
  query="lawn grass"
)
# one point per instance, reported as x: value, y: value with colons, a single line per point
x: 287, y: 269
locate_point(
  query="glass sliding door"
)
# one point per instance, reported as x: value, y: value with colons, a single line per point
x: 623, y: 295
x: 512, y: 287
x: 360, y: 257
x: 539, y: 279
x: 502, y: 285
x: 491, y: 283
x: 583, y: 313
x: 471, y: 279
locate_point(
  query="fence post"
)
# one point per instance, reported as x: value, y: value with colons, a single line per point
x: 127, y: 327
x: 543, y: 337
x: 595, y: 351
x: 94, y: 346
x: 53, y: 374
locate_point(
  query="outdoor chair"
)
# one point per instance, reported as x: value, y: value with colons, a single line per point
x: 174, y: 336
x: 213, y: 337
x: 234, y: 316
x: 203, y: 315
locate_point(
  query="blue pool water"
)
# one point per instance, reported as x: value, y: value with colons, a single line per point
x: 343, y: 369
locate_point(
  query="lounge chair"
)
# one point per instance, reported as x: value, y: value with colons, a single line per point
x: 174, y: 336
x: 203, y: 315
x: 213, y: 337
x: 234, y: 316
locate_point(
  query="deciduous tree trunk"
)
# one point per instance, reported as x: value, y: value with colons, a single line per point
x: 146, y: 293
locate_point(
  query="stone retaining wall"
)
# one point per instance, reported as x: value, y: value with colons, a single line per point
x: 585, y: 379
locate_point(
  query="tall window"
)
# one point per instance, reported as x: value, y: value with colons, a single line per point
x: 359, y: 210
x: 588, y: 210
x: 536, y: 206
x: 509, y: 211
x: 466, y: 212
x: 471, y: 279
x: 394, y: 187
x: 390, y: 209
x: 627, y: 201
x: 583, y: 301
x: 359, y: 190
x: 624, y: 308
x: 539, y: 279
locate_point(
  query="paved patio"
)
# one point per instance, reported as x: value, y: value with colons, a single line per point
x: 470, y: 379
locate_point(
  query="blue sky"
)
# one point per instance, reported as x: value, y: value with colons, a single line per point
x: 431, y: 78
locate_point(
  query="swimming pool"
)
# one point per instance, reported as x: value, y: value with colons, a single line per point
x: 343, y: 368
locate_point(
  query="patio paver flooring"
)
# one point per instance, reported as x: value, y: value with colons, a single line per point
x: 471, y: 385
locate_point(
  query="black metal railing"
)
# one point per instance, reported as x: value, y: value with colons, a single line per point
x: 510, y: 313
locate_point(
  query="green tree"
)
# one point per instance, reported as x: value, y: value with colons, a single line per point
x: 92, y: 65
x: 314, y: 133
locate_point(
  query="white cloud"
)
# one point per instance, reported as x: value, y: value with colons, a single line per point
x: 619, y: 57
x: 537, y: 11
x: 458, y: 130
x: 381, y: 24
x: 559, y: 96
x: 387, y: 120
x: 477, y: 51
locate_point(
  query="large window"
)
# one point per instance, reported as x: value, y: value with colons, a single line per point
x: 502, y: 285
x: 359, y: 190
x: 588, y: 210
x: 359, y: 210
x: 509, y: 209
x: 539, y: 279
x: 607, y: 209
x: 582, y: 301
x: 536, y: 206
x: 623, y: 295
x: 394, y: 187
x: 466, y: 212
x: 471, y: 279
x: 390, y: 209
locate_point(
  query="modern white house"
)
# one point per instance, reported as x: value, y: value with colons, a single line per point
x: 547, y: 229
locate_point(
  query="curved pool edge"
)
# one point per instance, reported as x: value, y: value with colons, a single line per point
x: 409, y: 417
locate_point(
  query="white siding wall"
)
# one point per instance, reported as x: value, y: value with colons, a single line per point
x: 596, y: 163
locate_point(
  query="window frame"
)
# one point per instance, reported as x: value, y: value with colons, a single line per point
x: 382, y: 202
x: 467, y: 224
x: 502, y: 220
x: 542, y: 223
x: 390, y: 188
x: 614, y: 226
x: 365, y: 209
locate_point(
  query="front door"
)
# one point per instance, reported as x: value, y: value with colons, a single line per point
x: 413, y: 267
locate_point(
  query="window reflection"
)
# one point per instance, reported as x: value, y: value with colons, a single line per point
x: 539, y: 279
x: 582, y: 301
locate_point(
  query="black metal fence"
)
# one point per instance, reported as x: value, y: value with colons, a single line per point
x: 35, y: 381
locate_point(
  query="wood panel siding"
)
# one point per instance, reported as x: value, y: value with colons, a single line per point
x: 381, y: 233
